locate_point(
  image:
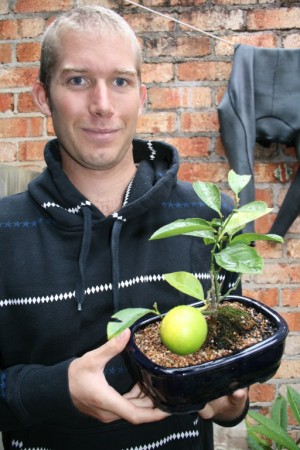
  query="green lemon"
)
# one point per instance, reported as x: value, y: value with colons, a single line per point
x: 183, y: 330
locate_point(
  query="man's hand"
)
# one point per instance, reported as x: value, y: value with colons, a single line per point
x: 227, y: 408
x: 92, y: 395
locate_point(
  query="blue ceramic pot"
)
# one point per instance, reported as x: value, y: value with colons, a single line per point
x: 188, y: 389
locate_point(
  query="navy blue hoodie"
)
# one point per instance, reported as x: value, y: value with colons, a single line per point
x: 65, y: 268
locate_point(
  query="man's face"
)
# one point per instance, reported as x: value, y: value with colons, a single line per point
x: 95, y: 99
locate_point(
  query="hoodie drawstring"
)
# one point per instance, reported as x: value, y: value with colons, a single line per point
x: 84, y: 250
x: 115, y: 239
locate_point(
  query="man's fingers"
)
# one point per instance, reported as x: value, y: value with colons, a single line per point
x: 111, y: 348
x: 135, y: 410
x: 135, y: 392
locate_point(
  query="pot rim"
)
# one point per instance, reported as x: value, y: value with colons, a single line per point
x: 276, y: 339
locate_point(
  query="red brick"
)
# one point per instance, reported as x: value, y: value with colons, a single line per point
x: 264, y: 224
x: 289, y: 369
x: 219, y: 147
x: 280, y: 18
x: 50, y: 129
x: 8, y: 152
x: 291, y: 297
x: 164, y: 98
x: 159, y: 122
x: 30, y: 28
x: 293, y: 320
x: 20, y: 127
x: 196, y: 147
x: 28, y: 52
x: 153, y: 3
x: 18, y: 77
x: 292, y: 345
x: 31, y: 151
x: 293, y: 248
x: 157, y: 73
x: 178, y: 46
x: 271, y: 250
x: 292, y: 41
x: 199, y: 122
x: 214, y: 172
x: 264, y: 172
x: 26, y: 103
x: 220, y: 91
x: 6, y: 102
x: 262, y: 393
x: 147, y: 22
x: 280, y: 273
x: 235, y: 2
x: 207, y: 70
x: 4, y: 7
x: 267, y: 296
x: 6, y: 52
x: 8, y: 29
x: 295, y: 227
x: 28, y: 6
x: 265, y: 195
x: 267, y: 40
x: 182, y: 97
x: 215, y: 19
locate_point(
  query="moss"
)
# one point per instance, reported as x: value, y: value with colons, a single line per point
x: 226, y: 327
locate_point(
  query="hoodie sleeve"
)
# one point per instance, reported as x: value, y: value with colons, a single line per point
x: 30, y: 394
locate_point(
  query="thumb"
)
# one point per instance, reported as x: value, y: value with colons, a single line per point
x: 239, y: 397
x: 114, y: 346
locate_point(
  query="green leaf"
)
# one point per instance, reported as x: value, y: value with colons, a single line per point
x: 181, y: 227
x: 245, y: 214
x: 237, y: 182
x: 185, y: 282
x: 209, y: 194
x: 294, y: 400
x: 124, y: 319
x: 255, y: 443
x: 279, y: 412
x: 204, y: 235
x: 247, y: 238
x: 270, y: 429
x: 240, y: 258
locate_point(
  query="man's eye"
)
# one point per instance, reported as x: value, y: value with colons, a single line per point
x: 77, y: 81
x: 120, y: 82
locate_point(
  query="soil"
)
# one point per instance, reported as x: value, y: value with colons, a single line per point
x: 234, y: 328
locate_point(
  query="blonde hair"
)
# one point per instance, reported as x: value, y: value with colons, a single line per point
x: 95, y: 19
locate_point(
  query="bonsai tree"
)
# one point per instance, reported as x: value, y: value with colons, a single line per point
x: 230, y: 249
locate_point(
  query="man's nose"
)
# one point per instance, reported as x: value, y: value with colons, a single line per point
x: 100, y: 100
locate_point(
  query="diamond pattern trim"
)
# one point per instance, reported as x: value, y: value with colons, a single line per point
x: 19, y: 444
x: 73, y: 210
x: 65, y: 296
x: 184, y: 435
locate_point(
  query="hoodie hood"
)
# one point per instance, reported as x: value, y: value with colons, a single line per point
x: 53, y: 191
x: 66, y: 207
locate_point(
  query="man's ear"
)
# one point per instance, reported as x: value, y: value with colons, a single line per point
x: 41, y: 98
x: 143, y: 98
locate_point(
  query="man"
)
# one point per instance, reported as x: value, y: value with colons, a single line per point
x: 75, y: 249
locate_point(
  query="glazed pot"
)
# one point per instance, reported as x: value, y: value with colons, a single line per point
x: 188, y: 389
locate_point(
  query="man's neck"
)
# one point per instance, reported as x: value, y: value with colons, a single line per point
x: 105, y: 189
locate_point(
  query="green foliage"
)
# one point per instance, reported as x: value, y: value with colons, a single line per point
x: 186, y: 283
x: 231, y: 250
x: 269, y: 433
x: 125, y: 318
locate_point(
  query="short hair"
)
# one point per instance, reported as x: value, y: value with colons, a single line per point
x: 86, y: 19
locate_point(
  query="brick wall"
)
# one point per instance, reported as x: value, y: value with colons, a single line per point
x: 186, y: 73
